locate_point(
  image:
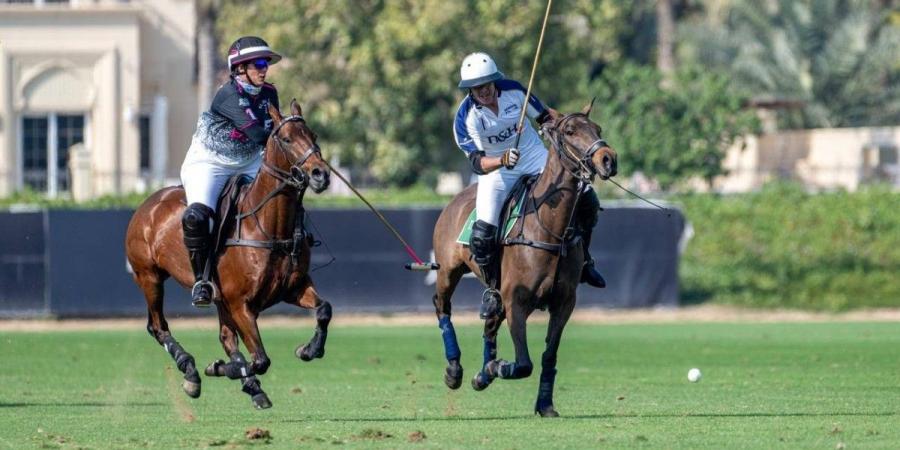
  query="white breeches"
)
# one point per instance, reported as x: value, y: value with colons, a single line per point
x: 494, y: 187
x: 204, y: 174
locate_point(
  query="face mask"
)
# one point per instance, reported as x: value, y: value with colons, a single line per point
x: 249, y: 88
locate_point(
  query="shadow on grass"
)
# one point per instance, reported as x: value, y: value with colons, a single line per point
x: 600, y: 416
x: 77, y: 405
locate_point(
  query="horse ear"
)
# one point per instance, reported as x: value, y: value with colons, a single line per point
x: 275, y: 114
x: 295, y: 108
x: 587, y: 109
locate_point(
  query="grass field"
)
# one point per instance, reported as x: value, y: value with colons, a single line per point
x: 812, y: 385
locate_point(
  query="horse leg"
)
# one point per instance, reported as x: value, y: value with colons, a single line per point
x: 158, y: 327
x: 516, y: 316
x: 491, y: 327
x: 310, y: 299
x: 559, y: 315
x: 237, y: 368
x: 447, y: 279
x: 245, y: 322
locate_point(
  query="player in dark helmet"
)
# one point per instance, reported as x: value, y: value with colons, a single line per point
x: 229, y: 140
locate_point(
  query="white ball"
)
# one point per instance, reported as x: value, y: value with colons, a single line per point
x: 694, y: 375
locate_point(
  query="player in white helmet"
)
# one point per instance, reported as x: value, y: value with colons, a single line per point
x: 485, y: 129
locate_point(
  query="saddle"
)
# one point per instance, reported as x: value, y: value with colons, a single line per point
x: 514, y: 207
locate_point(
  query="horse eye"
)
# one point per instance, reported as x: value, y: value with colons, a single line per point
x: 570, y: 131
x: 286, y: 140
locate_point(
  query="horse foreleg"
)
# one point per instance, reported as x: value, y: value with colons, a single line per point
x: 158, y: 327
x: 516, y: 316
x: 309, y: 299
x: 446, y: 283
x: 559, y: 315
x: 491, y: 327
x: 245, y: 323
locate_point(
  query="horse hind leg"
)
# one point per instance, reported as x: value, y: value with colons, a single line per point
x: 310, y: 299
x: 491, y: 327
x: 522, y: 367
x: 447, y: 279
x: 158, y: 327
x: 237, y: 367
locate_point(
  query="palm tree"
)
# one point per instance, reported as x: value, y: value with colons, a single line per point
x: 838, y: 57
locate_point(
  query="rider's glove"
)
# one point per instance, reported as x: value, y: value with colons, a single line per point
x: 510, y: 158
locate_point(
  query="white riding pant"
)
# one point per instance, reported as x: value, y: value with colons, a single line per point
x: 494, y: 187
x: 205, y: 173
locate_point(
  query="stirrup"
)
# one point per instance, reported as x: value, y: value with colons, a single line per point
x: 201, y: 294
x: 491, y: 306
x: 591, y: 276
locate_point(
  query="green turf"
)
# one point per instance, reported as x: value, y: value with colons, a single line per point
x: 824, y: 385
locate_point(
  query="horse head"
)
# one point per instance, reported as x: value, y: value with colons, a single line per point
x: 298, y: 155
x: 579, y: 142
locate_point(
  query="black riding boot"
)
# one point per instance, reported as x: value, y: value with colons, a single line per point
x: 196, y: 225
x: 485, y: 254
x: 589, y: 273
x: 588, y: 214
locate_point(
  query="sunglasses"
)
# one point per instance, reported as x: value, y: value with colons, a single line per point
x: 261, y: 64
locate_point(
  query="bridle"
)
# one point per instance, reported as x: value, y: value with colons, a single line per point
x: 584, y: 169
x: 295, y: 177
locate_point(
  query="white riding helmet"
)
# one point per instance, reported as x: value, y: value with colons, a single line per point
x: 477, y: 69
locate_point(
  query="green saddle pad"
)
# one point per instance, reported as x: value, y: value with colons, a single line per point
x: 465, y: 235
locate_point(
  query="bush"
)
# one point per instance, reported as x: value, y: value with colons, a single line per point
x: 783, y: 247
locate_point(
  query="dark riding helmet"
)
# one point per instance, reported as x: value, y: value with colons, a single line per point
x: 250, y: 48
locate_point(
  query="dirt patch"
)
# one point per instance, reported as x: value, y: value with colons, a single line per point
x: 706, y: 313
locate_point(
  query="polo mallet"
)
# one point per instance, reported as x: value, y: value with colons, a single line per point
x: 417, y: 263
x: 537, y: 57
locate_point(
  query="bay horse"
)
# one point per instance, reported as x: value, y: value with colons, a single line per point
x: 267, y: 264
x: 539, y: 269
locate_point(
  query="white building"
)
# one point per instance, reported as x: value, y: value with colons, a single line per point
x: 117, y: 76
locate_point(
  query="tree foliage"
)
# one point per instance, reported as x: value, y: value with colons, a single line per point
x: 838, y: 57
x: 675, y: 133
x: 378, y: 78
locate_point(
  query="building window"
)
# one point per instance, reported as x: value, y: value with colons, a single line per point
x: 46, y: 141
x: 145, y: 143
x: 34, y: 153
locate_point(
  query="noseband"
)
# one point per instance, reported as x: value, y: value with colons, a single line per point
x: 295, y: 177
x: 585, y: 170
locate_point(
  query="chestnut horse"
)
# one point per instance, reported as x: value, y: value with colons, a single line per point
x: 540, y: 267
x: 255, y: 272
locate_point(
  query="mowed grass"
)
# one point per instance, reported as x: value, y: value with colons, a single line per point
x: 808, y: 385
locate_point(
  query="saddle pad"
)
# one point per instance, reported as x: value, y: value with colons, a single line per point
x: 465, y: 235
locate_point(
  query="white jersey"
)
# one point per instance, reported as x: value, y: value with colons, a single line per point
x: 477, y: 128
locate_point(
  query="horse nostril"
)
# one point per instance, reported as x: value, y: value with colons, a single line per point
x: 317, y: 173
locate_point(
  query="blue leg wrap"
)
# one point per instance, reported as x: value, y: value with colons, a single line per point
x: 451, y: 347
x: 490, y: 351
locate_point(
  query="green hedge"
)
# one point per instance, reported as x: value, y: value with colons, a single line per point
x: 783, y: 247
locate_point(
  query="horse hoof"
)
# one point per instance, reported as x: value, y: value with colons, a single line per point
x: 261, y: 401
x: 453, y: 377
x: 214, y: 369
x: 191, y: 388
x: 547, y: 412
x: 306, y: 354
x: 481, y: 381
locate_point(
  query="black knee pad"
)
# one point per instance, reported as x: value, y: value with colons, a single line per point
x: 483, y: 235
x: 195, y: 222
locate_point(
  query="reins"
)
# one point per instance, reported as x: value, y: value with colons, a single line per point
x: 294, y: 179
x: 584, y: 174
